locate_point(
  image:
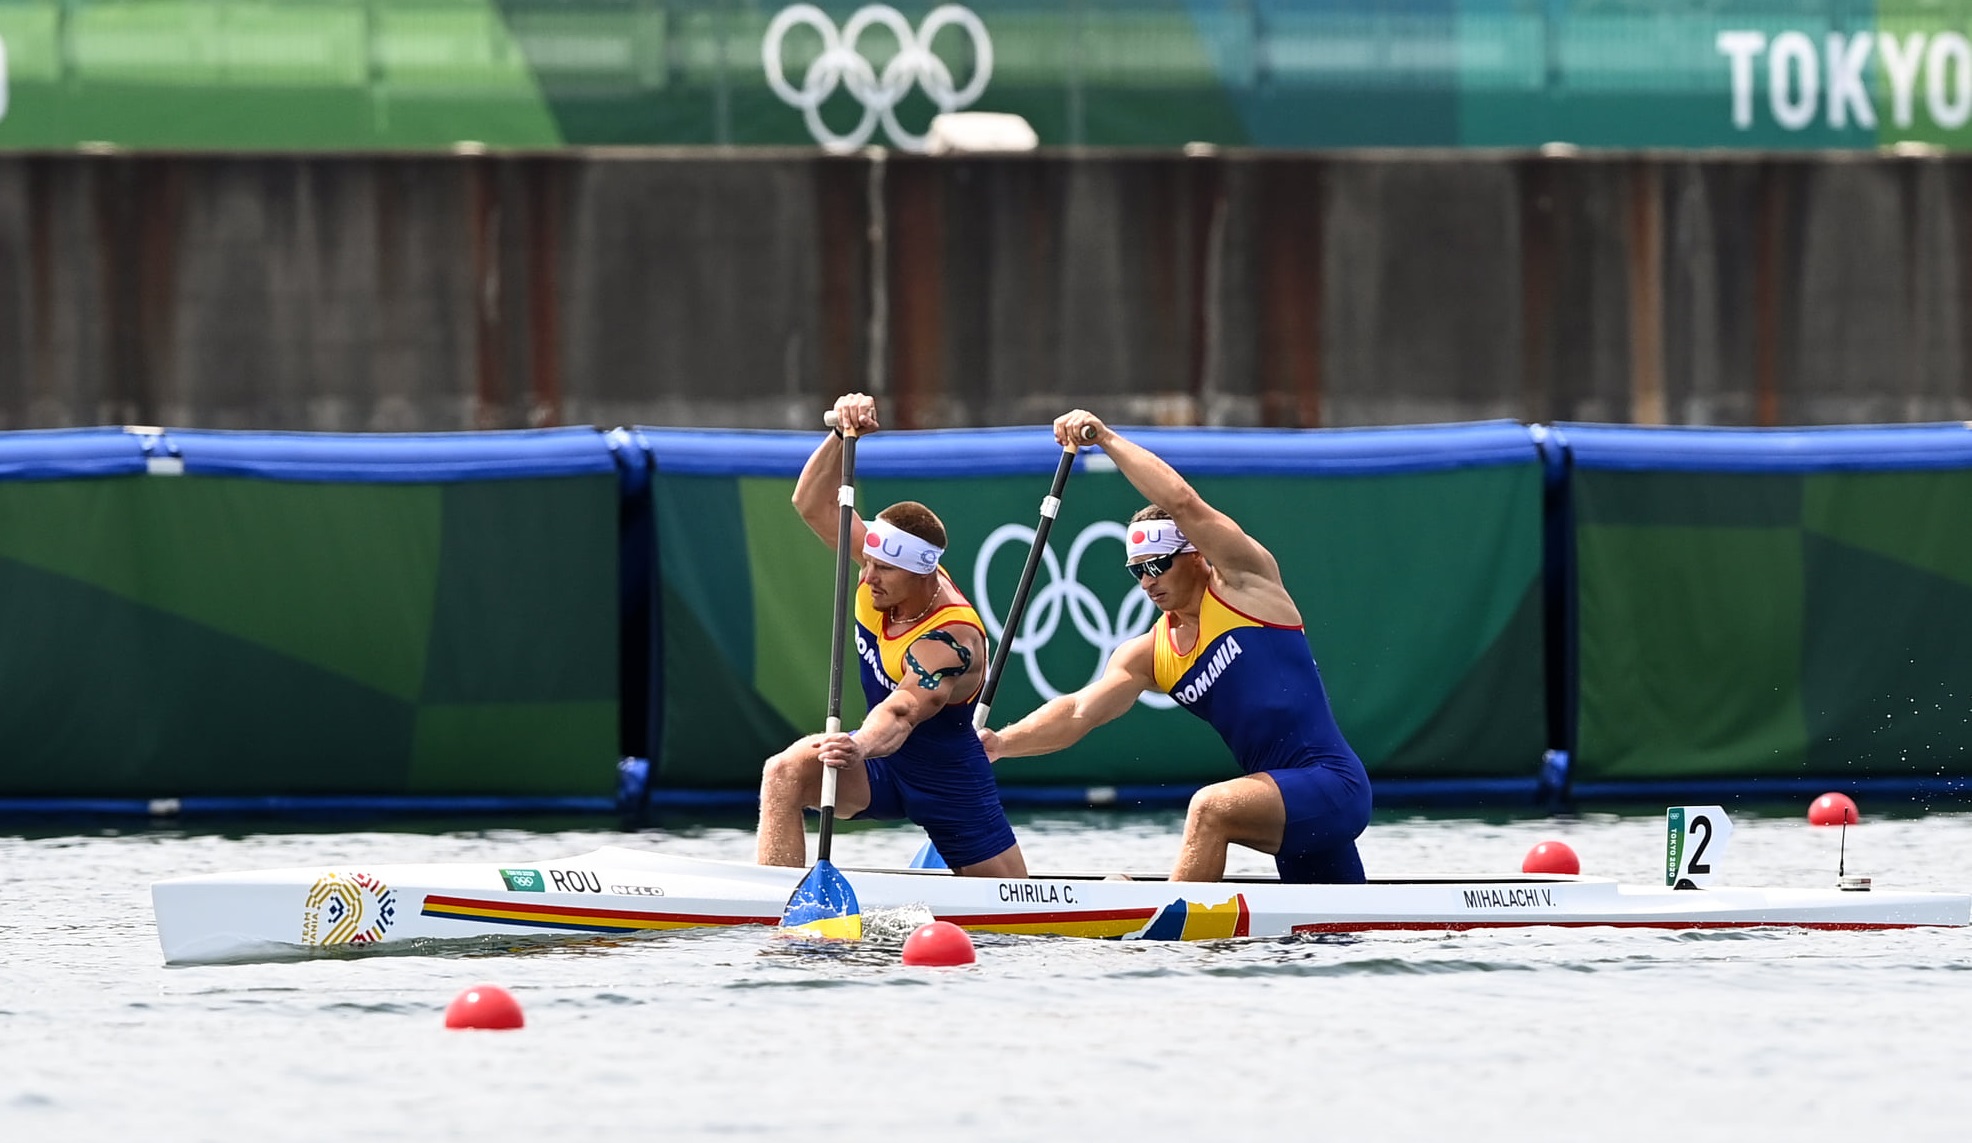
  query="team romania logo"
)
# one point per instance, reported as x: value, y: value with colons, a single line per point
x: 347, y: 909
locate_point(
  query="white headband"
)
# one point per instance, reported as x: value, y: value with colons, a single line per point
x: 1155, y: 538
x: 898, y: 548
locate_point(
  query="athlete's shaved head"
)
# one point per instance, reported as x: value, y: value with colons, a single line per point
x: 913, y: 517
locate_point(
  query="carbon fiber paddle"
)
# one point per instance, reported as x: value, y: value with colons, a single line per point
x: 824, y: 904
x: 1050, y: 507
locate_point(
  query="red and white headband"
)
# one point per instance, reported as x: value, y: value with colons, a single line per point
x: 887, y: 543
x: 1155, y: 538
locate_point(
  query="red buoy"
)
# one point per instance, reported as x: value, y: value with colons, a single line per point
x: 1833, y: 809
x: 1551, y: 857
x: 938, y: 943
x: 484, y: 1006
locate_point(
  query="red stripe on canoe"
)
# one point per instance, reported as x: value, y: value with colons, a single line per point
x: 1047, y: 918
x: 600, y: 914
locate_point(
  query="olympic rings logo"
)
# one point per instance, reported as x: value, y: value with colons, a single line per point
x: 841, y: 65
x: 1065, y: 593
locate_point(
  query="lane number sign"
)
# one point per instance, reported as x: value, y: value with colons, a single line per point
x: 1695, y: 845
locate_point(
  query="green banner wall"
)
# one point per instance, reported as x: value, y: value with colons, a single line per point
x: 1771, y: 607
x: 341, y: 74
x: 189, y: 633
x: 1421, y: 591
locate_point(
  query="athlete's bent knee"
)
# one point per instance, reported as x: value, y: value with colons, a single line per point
x: 785, y: 774
x: 1211, y: 808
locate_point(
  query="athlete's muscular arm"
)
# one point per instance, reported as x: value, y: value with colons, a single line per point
x: 1239, y: 558
x: 1062, y: 722
x: 941, y: 666
x: 815, y: 490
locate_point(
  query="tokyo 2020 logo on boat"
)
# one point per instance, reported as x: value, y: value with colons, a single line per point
x: 1065, y: 596
x: 842, y: 64
x: 347, y: 909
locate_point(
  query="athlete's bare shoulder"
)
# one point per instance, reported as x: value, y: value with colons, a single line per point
x: 958, y: 632
x: 1137, y: 655
x: 952, y: 651
x: 1262, y: 597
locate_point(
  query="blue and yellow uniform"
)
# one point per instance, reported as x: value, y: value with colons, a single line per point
x: 940, y: 777
x: 1257, y: 684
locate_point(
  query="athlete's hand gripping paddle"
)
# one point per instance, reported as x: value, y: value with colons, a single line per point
x: 823, y: 904
x: 1050, y: 506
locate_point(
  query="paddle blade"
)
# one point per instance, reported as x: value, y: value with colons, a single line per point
x: 823, y: 905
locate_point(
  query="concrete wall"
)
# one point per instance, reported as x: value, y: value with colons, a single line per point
x: 385, y: 292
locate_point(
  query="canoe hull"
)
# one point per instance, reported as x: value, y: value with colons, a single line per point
x: 283, y: 913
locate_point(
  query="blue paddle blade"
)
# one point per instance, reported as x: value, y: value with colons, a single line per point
x: 823, y: 905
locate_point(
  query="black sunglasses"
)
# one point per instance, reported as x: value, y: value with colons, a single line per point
x: 1152, y: 567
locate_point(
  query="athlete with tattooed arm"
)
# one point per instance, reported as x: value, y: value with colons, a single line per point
x: 1230, y: 648
x: 921, y: 652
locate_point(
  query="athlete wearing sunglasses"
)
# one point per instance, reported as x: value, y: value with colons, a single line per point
x: 1230, y: 648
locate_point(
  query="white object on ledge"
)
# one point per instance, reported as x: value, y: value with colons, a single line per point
x: 979, y: 132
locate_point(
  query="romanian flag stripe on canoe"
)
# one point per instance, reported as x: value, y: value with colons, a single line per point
x: 1181, y: 920
x: 1102, y: 924
x: 1184, y: 920
x: 574, y: 917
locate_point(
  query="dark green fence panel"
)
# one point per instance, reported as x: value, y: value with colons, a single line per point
x: 1773, y: 603
x: 1418, y: 572
x: 384, y: 616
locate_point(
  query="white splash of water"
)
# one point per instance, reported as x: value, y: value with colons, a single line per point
x: 891, y: 926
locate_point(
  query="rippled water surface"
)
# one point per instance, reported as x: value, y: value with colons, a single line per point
x: 1502, y: 1034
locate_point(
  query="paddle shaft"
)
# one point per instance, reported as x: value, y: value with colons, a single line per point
x: 1050, y: 507
x: 845, y: 497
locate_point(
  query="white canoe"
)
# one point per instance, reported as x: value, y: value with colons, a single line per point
x: 281, y: 913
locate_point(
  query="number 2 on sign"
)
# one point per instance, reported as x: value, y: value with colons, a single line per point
x: 1694, y: 846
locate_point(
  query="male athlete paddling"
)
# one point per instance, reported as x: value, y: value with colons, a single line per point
x: 921, y: 651
x: 1229, y: 647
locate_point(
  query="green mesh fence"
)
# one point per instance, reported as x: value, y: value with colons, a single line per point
x: 1745, y: 624
x: 197, y: 635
